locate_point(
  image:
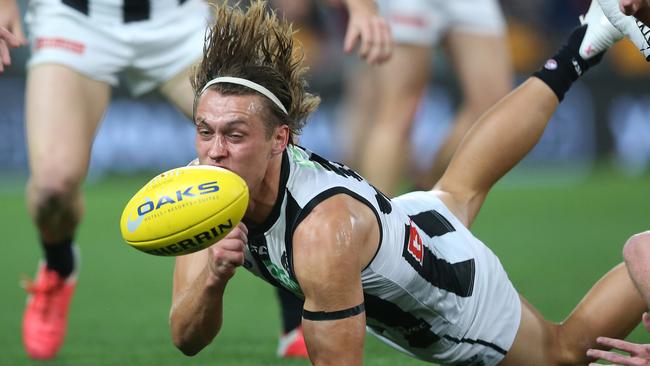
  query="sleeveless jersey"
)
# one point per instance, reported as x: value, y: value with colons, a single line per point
x: 432, y: 290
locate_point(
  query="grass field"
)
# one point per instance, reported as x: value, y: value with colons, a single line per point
x: 555, y: 240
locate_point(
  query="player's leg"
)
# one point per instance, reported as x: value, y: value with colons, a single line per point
x: 611, y: 308
x: 637, y: 259
x: 165, y: 56
x: 400, y: 85
x: 482, y: 64
x: 357, y: 114
x: 63, y: 110
x: 178, y: 91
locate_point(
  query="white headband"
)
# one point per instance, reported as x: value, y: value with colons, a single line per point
x: 247, y: 83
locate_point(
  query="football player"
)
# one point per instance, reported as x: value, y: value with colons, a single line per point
x: 407, y: 270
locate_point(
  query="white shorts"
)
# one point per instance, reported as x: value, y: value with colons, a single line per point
x: 473, y: 329
x: 424, y: 22
x: 149, y: 52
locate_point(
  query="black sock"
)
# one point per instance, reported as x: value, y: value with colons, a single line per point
x: 291, y: 307
x: 59, y: 257
x: 567, y: 66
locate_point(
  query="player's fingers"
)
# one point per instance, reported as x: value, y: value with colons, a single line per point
x: 351, y: 36
x: 17, y: 30
x: 232, y: 244
x: 9, y: 38
x: 4, y: 55
x: 619, y: 344
x: 223, y: 256
x: 243, y: 227
x: 238, y: 233
x: 366, y: 40
x: 386, y: 41
x: 608, y: 356
x: 377, y: 48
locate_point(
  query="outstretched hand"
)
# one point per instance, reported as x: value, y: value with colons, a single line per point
x: 369, y: 30
x: 11, y: 31
x: 638, y: 354
x: 7, y: 40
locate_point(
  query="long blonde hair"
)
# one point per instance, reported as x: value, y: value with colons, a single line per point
x: 257, y: 46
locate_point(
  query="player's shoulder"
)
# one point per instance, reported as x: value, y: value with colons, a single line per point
x: 338, y: 212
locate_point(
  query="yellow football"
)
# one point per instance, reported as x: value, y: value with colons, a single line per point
x: 184, y: 210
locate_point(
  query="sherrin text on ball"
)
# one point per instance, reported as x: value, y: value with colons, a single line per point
x: 184, y: 210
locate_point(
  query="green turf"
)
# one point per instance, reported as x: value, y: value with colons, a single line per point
x: 555, y: 240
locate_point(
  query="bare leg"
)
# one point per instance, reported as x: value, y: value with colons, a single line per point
x: 178, y: 91
x: 483, y: 84
x: 358, y: 112
x: 401, y: 83
x: 611, y: 308
x: 64, y: 109
x: 637, y: 260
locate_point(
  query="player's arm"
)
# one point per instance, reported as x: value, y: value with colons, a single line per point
x: 199, y: 283
x: 328, y: 252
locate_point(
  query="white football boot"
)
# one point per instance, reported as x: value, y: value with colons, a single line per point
x: 633, y: 29
x: 600, y: 34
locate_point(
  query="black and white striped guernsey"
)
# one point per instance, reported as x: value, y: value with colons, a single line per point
x: 432, y: 290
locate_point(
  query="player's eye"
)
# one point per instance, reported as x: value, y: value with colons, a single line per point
x: 235, y: 136
x: 204, y: 132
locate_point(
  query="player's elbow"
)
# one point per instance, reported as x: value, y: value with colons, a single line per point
x: 186, y: 341
x: 187, y: 348
x: 637, y: 248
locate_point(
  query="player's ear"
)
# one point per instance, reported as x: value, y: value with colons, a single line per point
x: 280, y: 139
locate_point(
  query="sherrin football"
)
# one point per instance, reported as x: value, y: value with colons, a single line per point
x: 184, y: 210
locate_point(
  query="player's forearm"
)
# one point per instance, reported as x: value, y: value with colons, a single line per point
x: 502, y: 137
x: 196, y: 314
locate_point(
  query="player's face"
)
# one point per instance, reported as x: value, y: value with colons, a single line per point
x: 230, y: 133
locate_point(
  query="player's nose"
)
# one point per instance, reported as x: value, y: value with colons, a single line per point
x: 218, y: 149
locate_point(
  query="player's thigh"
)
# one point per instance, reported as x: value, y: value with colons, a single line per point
x: 178, y: 91
x: 535, y: 340
x: 483, y: 65
x: 408, y: 71
x: 63, y: 111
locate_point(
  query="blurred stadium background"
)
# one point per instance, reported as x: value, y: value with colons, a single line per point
x: 557, y: 222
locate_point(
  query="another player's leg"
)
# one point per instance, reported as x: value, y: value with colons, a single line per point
x: 482, y: 83
x: 292, y: 341
x: 612, y: 308
x: 637, y: 259
x: 63, y: 111
x: 401, y: 83
x: 357, y: 115
x: 178, y: 91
